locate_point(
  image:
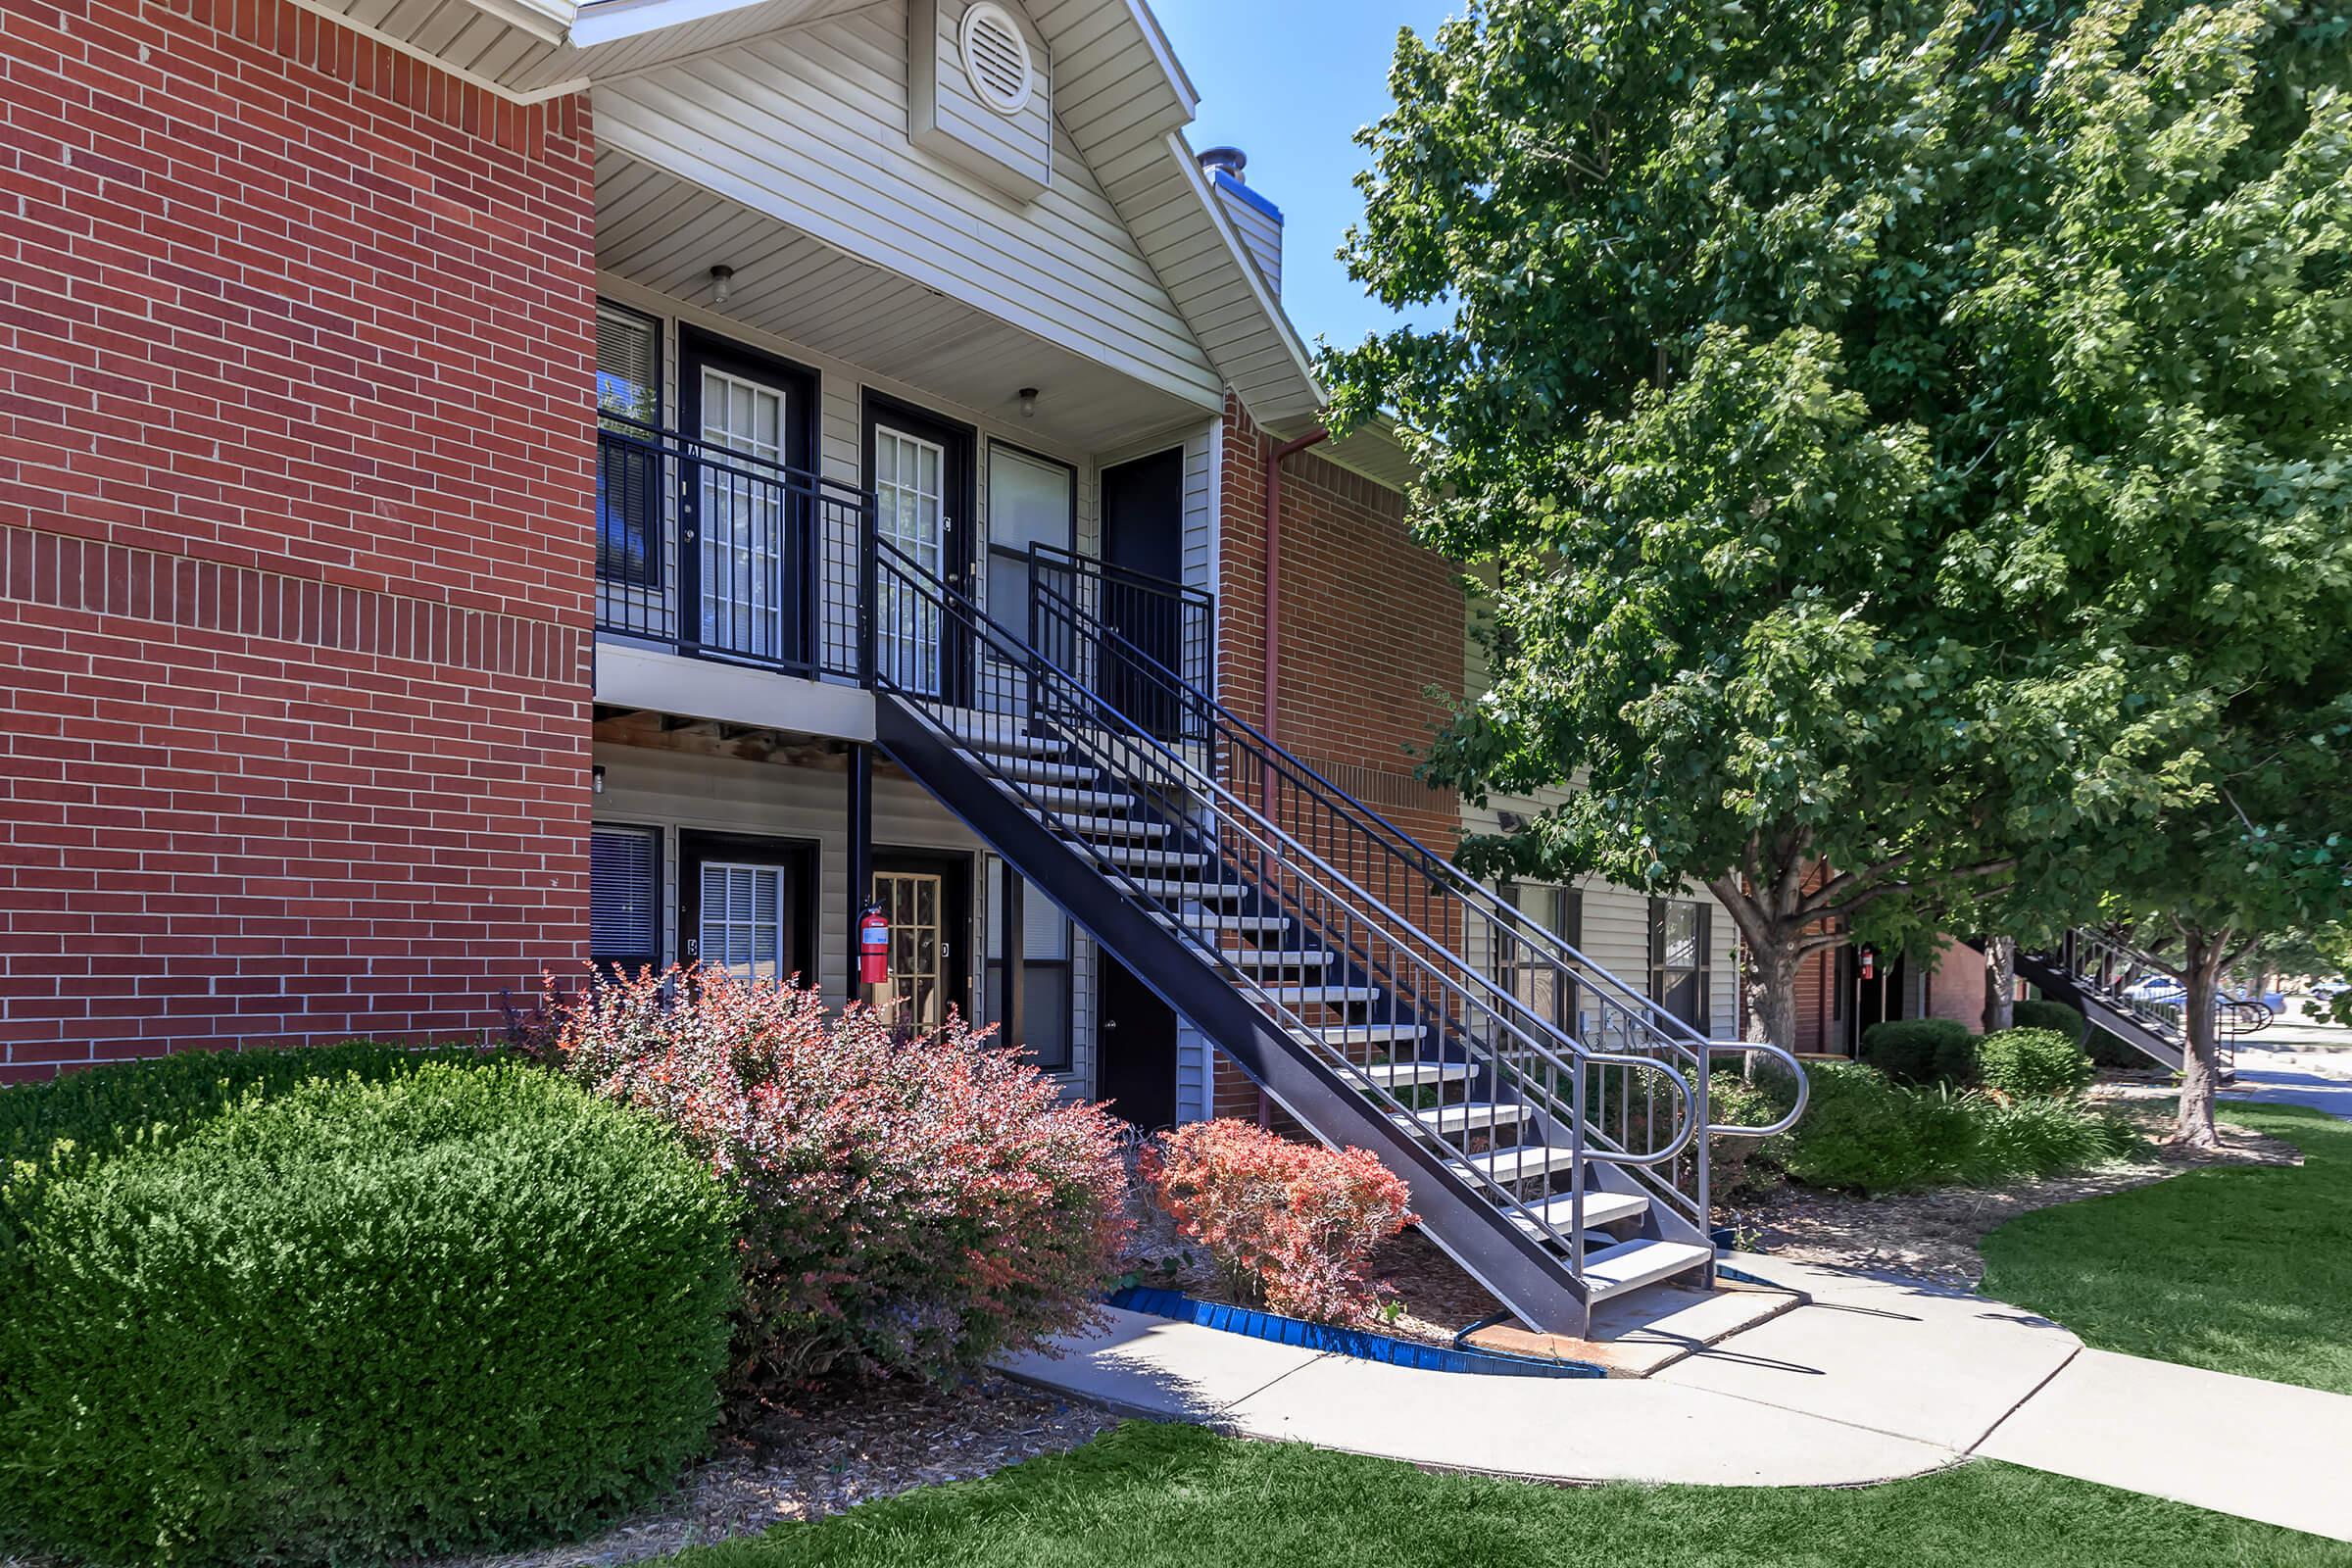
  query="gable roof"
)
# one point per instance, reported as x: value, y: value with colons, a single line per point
x: 1121, y: 95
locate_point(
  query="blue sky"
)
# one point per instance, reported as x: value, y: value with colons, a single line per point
x: 1289, y: 82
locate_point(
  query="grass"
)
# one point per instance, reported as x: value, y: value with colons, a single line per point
x: 1173, y: 1496
x: 2244, y: 1269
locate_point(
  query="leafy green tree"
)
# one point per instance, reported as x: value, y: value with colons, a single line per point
x: 2172, y: 341
x: 1805, y: 374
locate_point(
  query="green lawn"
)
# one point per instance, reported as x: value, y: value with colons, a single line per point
x: 2236, y: 1268
x: 1172, y: 1496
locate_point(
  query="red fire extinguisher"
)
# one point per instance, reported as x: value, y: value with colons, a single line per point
x: 873, y: 947
x: 1870, y: 964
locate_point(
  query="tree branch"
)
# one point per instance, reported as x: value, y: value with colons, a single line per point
x: 1825, y: 897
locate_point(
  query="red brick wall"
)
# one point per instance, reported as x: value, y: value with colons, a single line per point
x: 295, y: 505
x: 1370, y: 623
x: 1816, y: 1031
x: 1955, y: 988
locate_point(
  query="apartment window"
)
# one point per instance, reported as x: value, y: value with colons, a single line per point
x: 628, y: 470
x: 1678, y: 960
x: 1048, y: 1004
x: 624, y: 898
x: 1530, y: 970
x: 1031, y: 500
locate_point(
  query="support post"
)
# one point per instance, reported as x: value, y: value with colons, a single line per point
x: 861, y: 825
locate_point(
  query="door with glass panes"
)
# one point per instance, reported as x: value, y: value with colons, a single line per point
x: 919, y: 468
x: 748, y: 513
x: 927, y: 900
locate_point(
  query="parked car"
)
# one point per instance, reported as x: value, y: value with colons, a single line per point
x: 2327, y: 990
x: 2156, y: 990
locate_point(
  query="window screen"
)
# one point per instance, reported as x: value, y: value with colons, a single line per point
x: 1678, y: 960
x: 629, y: 465
x: 1028, y: 502
x: 1048, y: 975
x: 624, y: 897
x: 628, y: 365
x: 1529, y: 967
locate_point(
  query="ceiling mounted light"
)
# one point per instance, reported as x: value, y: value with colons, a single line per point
x: 1028, y: 397
x: 722, y: 283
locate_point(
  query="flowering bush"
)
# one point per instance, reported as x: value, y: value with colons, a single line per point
x: 1289, y: 1223
x: 913, y: 1205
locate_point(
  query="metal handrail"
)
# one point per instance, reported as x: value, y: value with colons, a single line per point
x: 1096, y: 566
x: 2105, y: 963
x: 1300, y: 862
x: 1569, y: 967
x: 657, y: 438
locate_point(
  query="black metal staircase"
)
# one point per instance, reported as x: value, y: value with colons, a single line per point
x: 2106, y: 979
x: 1551, y: 1125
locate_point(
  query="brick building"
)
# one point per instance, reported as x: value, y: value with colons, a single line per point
x: 500, y: 485
x: 297, y: 529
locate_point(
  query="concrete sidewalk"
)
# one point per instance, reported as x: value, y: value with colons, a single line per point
x: 2289, y: 1078
x: 1875, y: 1380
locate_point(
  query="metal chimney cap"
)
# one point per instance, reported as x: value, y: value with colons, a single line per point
x: 1224, y: 160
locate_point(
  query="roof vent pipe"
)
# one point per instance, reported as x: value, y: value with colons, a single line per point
x: 1224, y: 161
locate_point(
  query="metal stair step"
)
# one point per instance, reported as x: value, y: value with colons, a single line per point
x: 1135, y: 857
x: 1468, y: 1115
x: 1254, y: 959
x: 1060, y: 797
x: 1206, y: 920
x: 1601, y: 1208
x: 1003, y: 738
x: 1364, y: 1033
x: 1413, y: 1074
x: 1630, y: 1265
x: 1111, y: 828
x: 1030, y: 769
x: 1519, y: 1162
x: 1329, y: 996
x: 1188, y: 888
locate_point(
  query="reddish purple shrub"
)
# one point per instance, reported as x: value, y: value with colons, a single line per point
x: 1289, y: 1223
x: 913, y: 1207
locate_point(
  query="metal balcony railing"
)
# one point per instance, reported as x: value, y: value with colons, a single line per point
x: 719, y: 555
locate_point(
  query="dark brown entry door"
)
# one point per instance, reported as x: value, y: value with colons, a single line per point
x: 1876, y: 999
x: 1135, y: 1049
x: 1142, y: 549
x: 743, y: 906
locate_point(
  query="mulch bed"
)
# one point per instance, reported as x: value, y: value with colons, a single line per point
x: 795, y: 1464
x: 1932, y: 1235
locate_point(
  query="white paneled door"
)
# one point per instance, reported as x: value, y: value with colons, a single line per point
x: 911, y: 477
x: 743, y: 561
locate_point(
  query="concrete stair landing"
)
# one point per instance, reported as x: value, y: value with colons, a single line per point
x: 1648, y: 1331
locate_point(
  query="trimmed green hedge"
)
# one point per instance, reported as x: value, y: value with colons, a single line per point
x: 62, y: 1125
x: 457, y: 1310
x: 1921, y: 1050
x: 2036, y: 1012
x: 2033, y: 1065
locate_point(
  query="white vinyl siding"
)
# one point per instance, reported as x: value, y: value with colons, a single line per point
x: 809, y: 127
x: 1616, y: 928
x: 670, y: 791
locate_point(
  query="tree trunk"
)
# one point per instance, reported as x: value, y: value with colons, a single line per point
x: 1772, y: 994
x: 2200, y: 1067
x: 2000, y: 983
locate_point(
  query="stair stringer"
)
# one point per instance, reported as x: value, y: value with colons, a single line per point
x: 2061, y: 982
x: 1519, y: 1271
